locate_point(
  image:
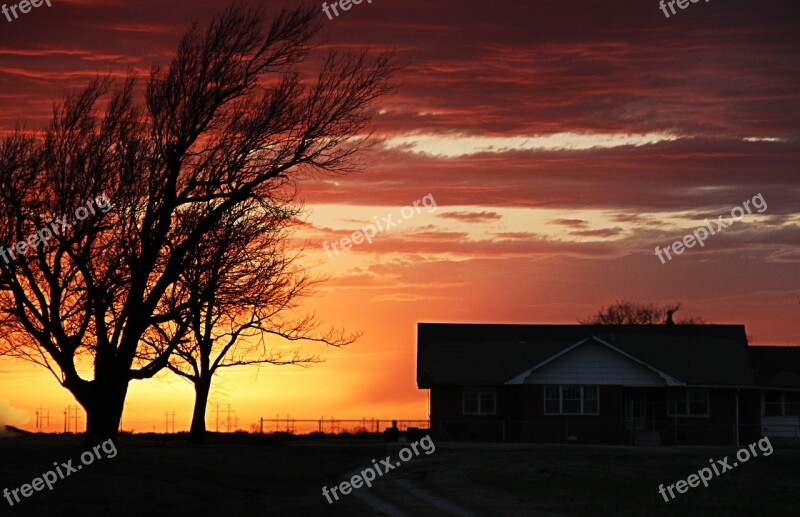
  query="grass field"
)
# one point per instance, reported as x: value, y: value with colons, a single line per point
x: 157, y: 477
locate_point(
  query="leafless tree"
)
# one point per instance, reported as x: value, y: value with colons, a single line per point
x: 229, y: 122
x: 240, y: 288
x: 632, y: 313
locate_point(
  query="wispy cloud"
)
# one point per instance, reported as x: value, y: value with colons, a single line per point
x: 574, y: 223
x: 472, y: 217
x: 453, y: 146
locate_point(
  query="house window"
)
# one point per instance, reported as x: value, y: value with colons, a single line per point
x: 781, y: 403
x: 773, y: 403
x: 571, y: 400
x: 791, y: 403
x: 552, y: 399
x: 688, y: 402
x: 479, y: 401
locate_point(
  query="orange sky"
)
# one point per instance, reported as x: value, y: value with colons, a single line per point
x: 561, y: 142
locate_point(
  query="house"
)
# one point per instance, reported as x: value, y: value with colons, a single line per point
x: 614, y: 384
x: 777, y: 370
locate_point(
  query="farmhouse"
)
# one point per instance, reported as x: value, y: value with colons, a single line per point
x: 613, y: 384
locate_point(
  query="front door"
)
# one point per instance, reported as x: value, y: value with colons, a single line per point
x: 635, y: 409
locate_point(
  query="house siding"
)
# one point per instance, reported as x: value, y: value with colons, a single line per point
x: 520, y: 418
x: 717, y: 428
x: 595, y: 363
x: 449, y: 422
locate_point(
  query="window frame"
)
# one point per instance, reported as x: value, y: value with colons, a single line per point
x: 479, y: 392
x: 674, y: 398
x: 583, y: 392
x: 783, y: 403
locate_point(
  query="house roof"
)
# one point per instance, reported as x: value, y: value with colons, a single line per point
x: 776, y: 366
x: 521, y: 378
x: 485, y: 354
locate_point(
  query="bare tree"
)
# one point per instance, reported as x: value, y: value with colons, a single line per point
x: 633, y: 313
x: 240, y: 288
x: 229, y: 122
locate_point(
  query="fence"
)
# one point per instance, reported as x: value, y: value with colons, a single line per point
x: 335, y: 425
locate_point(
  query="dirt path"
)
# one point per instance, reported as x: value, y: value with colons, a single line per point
x: 408, y: 498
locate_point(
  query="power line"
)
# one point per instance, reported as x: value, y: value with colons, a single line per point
x: 42, y: 416
x: 71, y: 415
x: 228, y: 420
x: 170, y: 418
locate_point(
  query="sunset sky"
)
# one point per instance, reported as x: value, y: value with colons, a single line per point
x: 561, y: 142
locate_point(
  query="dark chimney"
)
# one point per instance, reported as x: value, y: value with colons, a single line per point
x: 669, y: 318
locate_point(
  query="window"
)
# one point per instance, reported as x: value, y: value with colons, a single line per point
x: 688, y: 402
x: 552, y: 399
x: 590, y: 400
x: 698, y: 402
x: 479, y: 401
x: 571, y: 400
x: 791, y: 403
x: 773, y: 403
x: 781, y: 403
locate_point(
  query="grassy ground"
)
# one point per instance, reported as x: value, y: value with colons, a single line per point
x: 160, y: 478
x: 585, y: 480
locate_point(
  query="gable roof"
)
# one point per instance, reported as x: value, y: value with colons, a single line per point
x: 520, y: 379
x: 487, y: 354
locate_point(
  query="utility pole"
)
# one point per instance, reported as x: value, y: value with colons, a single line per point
x: 42, y: 416
x: 71, y: 414
x: 217, y: 417
x: 170, y: 417
x: 75, y: 418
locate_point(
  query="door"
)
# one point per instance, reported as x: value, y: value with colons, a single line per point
x: 636, y: 409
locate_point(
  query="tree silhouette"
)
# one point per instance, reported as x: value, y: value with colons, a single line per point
x: 228, y: 123
x: 240, y: 287
x: 633, y: 313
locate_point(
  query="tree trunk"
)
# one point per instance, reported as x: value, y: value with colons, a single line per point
x: 197, y: 433
x: 104, y: 404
